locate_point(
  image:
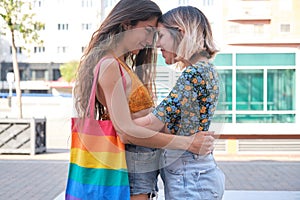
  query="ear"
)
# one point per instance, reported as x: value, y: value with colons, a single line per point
x: 182, y: 32
x: 126, y: 26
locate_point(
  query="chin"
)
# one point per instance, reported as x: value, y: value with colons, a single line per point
x: 169, y: 61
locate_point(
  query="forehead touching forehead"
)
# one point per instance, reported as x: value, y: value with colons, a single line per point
x: 161, y: 27
x: 148, y: 23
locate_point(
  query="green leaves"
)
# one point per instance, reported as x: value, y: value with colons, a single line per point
x: 68, y: 70
x: 19, y: 21
x: 19, y: 18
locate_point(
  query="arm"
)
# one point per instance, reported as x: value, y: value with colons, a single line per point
x: 150, y: 121
x: 201, y: 143
x: 111, y: 87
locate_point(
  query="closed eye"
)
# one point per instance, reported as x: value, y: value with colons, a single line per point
x: 149, y: 30
x: 159, y: 34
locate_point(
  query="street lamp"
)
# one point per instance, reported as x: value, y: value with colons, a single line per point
x: 10, y: 78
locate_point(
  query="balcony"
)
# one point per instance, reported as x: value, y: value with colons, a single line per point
x: 245, y: 11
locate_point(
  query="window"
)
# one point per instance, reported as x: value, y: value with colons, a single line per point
x: 264, y: 85
x: 87, y: 3
x: 62, y: 26
x: 86, y: 26
x: 61, y: 49
x: 38, y: 3
x: 265, y: 118
x: 39, y: 27
x: 281, y: 89
x: 38, y: 75
x: 254, y: 87
x: 225, y: 78
x: 265, y: 59
x: 19, y: 50
x: 249, y: 90
x: 39, y: 49
x: 208, y: 2
x: 56, y: 74
x: 285, y: 28
x: 183, y: 2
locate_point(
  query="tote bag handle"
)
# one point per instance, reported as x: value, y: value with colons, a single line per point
x: 91, y: 105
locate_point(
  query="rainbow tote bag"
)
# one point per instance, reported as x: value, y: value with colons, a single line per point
x: 97, y: 168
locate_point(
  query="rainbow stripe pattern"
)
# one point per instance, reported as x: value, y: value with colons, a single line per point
x: 97, y: 167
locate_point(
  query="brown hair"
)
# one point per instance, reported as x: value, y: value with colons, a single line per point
x: 106, y: 38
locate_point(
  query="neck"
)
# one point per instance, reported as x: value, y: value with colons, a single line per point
x: 118, y: 55
x: 193, y: 60
x: 119, y: 51
x: 199, y: 57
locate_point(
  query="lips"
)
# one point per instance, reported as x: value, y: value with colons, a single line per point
x: 163, y: 52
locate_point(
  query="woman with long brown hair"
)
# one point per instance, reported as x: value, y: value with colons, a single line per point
x: 124, y: 44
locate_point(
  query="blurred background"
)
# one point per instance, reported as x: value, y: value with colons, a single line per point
x: 258, y: 116
x: 259, y: 44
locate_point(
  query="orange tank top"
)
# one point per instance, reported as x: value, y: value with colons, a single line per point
x: 139, y: 97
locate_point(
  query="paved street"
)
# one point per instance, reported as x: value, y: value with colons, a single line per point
x: 31, y: 179
x: 39, y: 177
x: 262, y: 175
x: 43, y: 176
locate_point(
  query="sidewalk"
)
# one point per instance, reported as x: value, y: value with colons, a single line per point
x: 43, y: 176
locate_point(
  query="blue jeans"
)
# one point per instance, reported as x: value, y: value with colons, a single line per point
x: 190, y: 176
x: 143, y: 169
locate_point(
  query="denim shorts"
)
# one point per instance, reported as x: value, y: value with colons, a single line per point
x: 190, y: 176
x: 142, y: 164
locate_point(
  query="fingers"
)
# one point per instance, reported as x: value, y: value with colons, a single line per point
x: 202, y: 143
x: 209, y: 140
x: 207, y: 132
x: 211, y: 148
x: 212, y: 133
x: 207, y: 145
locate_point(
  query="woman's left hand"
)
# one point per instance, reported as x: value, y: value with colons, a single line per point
x: 202, y: 143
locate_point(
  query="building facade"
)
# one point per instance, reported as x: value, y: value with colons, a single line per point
x: 258, y: 62
x: 268, y: 23
x: 68, y: 28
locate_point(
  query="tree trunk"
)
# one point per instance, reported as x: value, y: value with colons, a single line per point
x: 17, y: 75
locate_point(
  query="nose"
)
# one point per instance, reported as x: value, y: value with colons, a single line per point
x: 149, y: 39
x: 158, y: 43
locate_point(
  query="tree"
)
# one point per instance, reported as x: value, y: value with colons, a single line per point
x: 68, y: 70
x: 20, y: 23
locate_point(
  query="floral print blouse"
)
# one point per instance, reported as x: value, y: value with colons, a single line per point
x: 190, y: 105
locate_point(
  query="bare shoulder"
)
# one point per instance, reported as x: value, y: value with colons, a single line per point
x: 108, y: 62
x: 109, y: 71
